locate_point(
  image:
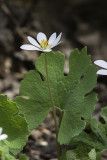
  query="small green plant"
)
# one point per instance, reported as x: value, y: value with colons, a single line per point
x: 47, y: 88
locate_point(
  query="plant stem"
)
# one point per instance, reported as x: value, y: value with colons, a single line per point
x: 53, y: 108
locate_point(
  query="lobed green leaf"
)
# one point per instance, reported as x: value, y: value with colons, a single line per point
x: 71, y: 94
x: 14, y: 125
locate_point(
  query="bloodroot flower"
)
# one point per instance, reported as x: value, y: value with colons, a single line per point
x: 102, y: 64
x: 44, y: 44
x: 2, y: 136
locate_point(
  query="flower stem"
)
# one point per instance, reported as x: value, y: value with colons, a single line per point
x: 53, y: 108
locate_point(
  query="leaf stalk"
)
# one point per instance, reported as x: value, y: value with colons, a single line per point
x: 53, y: 107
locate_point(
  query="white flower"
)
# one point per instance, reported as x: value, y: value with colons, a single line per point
x: 44, y: 44
x: 102, y: 64
x: 2, y: 136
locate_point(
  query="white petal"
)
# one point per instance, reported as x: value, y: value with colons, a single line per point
x: 102, y: 72
x: 56, y: 41
x: 1, y: 130
x: 29, y: 47
x: 47, y: 50
x: 101, y: 63
x: 41, y: 36
x: 33, y: 41
x: 52, y: 38
x: 3, y: 136
x: 56, y: 44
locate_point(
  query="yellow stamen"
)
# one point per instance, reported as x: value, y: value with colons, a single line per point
x: 44, y: 44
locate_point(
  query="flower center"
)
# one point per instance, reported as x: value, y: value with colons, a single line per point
x: 44, y: 44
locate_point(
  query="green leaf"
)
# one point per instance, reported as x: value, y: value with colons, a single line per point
x: 71, y: 94
x: 14, y: 125
x: 77, y: 104
x: 81, y: 153
x: 104, y: 114
x: 71, y: 155
x: 5, y: 155
x: 97, y: 136
x: 92, y: 154
x: 37, y: 106
x: 63, y: 156
x: 23, y: 157
x: 89, y: 139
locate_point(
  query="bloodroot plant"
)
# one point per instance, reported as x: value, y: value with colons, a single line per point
x: 47, y: 88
